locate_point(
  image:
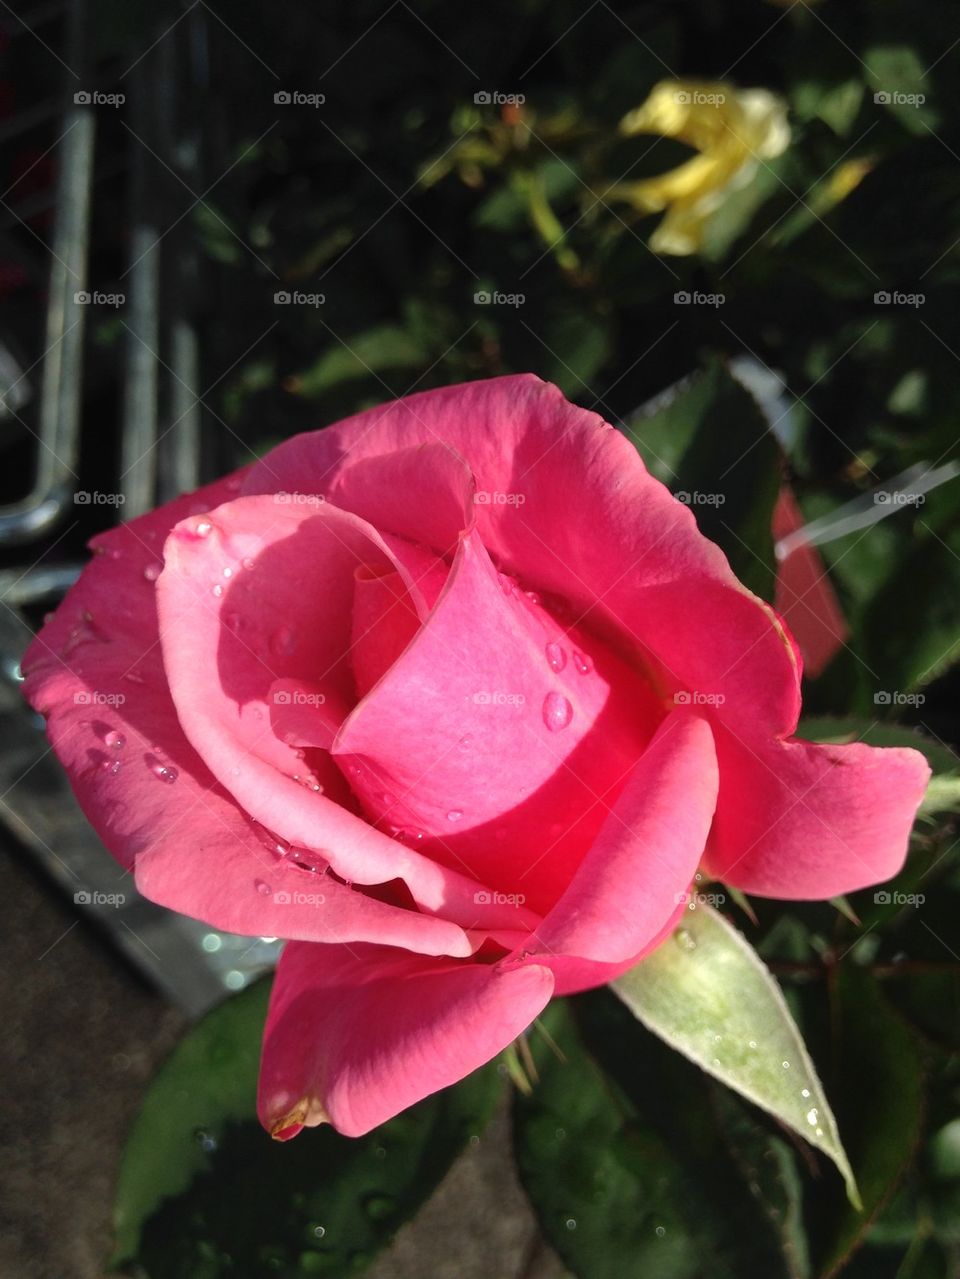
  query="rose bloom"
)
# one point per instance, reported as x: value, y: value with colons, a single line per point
x: 732, y: 130
x: 454, y: 697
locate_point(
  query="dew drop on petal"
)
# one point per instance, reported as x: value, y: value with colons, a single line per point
x: 263, y: 888
x: 152, y: 572
x: 556, y: 657
x: 557, y: 712
x: 111, y: 766
x: 454, y: 815
x: 116, y: 741
x: 166, y: 773
x: 217, y: 590
x: 465, y: 742
x: 583, y: 663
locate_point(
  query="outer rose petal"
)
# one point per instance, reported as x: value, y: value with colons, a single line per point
x: 630, y: 882
x: 802, y: 821
x: 356, y: 1034
x: 193, y: 849
x: 805, y: 597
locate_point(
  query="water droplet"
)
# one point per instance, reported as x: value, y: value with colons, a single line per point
x: 228, y: 572
x: 263, y: 888
x: 202, y: 528
x: 785, y: 1065
x: 111, y: 766
x: 217, y: 590
x: 454, y: 815
x: 804, y: 1092
x: 116, y: 741
x: 571, y: 1223
x: 152, y: 572
x: 246, y: 562
x: 557, y: 712
x: 282, y: 642
x: 752, y: 1043
x: 205, y: 1140
x: 166, y: 773
x: 319, y: 1231
x: 812, y: 1117
x: 583, y: 663
x: 309, y: 860
x: 465, y: 742
x: 556, y: 656
x: 660, y: 1231
x: 684, y: 939
x: 534, y: 597
x: 211, y: 943
x: 507, y: 584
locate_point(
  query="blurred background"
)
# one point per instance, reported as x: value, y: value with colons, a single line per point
x: 731, y: 229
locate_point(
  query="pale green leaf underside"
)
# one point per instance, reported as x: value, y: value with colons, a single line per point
x: 706, y: 992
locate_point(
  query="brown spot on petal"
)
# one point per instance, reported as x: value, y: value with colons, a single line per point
x: 306, y: 1113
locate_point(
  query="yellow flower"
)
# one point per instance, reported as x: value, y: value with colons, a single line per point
x: 732, y: 129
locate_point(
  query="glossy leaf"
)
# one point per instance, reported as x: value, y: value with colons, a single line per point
x: 707, y: 993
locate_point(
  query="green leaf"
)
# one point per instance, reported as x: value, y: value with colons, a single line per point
x: 629, y: 1164
x: 209, y: 1080
x: 711, y: 445
x: 708, y: 994
x: 879, y: 1097
x: 204, y: 1191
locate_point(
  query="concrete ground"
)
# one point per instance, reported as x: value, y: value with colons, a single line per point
x: 82, y: 1036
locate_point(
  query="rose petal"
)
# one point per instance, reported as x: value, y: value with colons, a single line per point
x: 645, y: 856
x: 356, y: 1034
x: 802, y: 821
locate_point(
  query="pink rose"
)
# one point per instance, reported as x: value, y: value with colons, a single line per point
x: 455, y: 697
